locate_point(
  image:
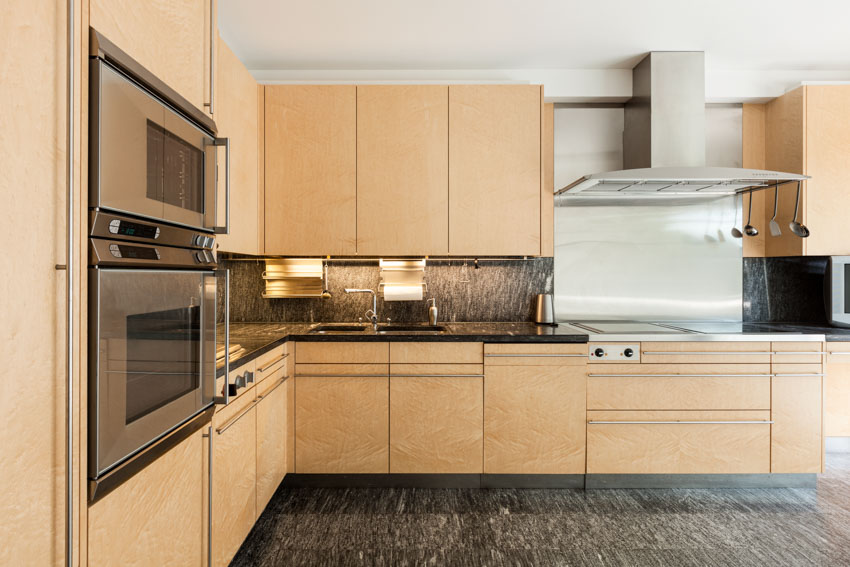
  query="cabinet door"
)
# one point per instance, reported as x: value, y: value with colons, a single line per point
x: 156, y: 517
x: 310, y: 166
x: 494, y: 169
x: 534, y: 420
x: 436, y: 424
x: 796, y: 410
x: 827, y: 146
x: 402, y: 169
x: 234, y: 478
x: 237, y: 118
x: 271, y: 441
x: 836, y: 418
x: 341, y: 422
x: 170, y: 38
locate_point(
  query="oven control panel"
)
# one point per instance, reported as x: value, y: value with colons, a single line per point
x: 614, y: 352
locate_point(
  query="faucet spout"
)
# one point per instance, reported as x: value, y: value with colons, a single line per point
x: 372, y: 314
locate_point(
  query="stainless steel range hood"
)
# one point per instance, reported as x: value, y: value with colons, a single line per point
x: 664, y: 139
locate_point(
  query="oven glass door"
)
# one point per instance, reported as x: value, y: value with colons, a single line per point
x: 147, y: 159
x: 155, y: 357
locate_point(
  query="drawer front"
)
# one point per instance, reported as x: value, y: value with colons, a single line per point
x: 705, y: 352
x: 797, y: 353
x: 341, y: 370
x: 684, y: 443
x: 746, y: 392
x: 436, y: 353
x: 535, y: 354
x: 271, y: 363
x: 437, y: 370
x: 342, y: 353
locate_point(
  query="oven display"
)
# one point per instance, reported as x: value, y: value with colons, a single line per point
x: 133, y: 252
x: 133, y: 229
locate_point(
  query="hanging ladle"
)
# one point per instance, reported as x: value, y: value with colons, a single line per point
x: 735, y: 230
x: 796, y: 227
x: 750, y: 230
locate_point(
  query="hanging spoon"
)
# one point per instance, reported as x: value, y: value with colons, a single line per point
x: 750, y: 230
x: 735, y: 231
x: 796, y: 227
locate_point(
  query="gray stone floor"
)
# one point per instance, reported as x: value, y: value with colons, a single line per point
x: 764, y: 527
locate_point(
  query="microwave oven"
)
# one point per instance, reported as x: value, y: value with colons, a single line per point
x: 837, y: 291
x: 152, y: 154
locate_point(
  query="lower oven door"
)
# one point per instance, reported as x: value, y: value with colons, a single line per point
x: 152, y: 359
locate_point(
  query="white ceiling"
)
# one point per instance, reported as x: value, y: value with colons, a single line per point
x: 534, y: 34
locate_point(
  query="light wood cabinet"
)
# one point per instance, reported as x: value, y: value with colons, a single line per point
x: 234, y: 477
x: 495, y: 170
x: 436, y: 423
x: 237, y: 117
x: 836, y: 415
x: 669, y: 442
x: 155, y: 517
x: 804, y: 132
x: 310, y: 170
x: 341, y: 421
x: 534, y: 419
x: 796, y: 410
x: 271, y: 437
x: 171, y: 38
x: 402, y: 169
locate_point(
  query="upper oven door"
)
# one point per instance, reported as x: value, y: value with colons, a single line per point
x: 146, y: 159
x: 152, y: 357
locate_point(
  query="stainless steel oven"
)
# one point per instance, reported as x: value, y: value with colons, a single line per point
x: 152, y: 153
x: 152, y: 311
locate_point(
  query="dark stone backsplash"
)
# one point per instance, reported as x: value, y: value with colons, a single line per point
x: 784, y: 290
x: 503, y: 290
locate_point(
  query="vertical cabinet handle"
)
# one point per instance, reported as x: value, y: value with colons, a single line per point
x: 211, y: 103
x: 225, y: 399
x: 69, y: 293
x: 209, y: 437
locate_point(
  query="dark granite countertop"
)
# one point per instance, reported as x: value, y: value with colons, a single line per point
x: 258, y: 338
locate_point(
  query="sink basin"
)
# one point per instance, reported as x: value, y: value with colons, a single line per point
x: 321, y: 329
x: 411, y: 329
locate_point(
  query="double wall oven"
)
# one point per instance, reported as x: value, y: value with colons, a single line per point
x: 153, y: 274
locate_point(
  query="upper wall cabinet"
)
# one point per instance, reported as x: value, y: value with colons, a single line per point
x: 237, y: 118
x: 311, y: 170
x: 805, y: 132
x: 171, y: 38
x: 402, y: 170
x: 495, y: 170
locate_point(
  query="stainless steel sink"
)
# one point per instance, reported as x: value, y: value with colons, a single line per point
x: 431, y: 329
x: 322, y: 329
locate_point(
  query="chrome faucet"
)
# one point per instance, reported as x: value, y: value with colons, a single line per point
x: 371, y: 314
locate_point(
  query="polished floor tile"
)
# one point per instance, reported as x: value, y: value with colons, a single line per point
x: 606, y: 528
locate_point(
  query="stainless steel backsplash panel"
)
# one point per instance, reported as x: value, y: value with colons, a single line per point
x: 675, y: 260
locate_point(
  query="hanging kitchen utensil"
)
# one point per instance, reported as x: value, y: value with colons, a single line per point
x: 750, y: 230
x: 736, y: 232
x: 774, y: 226
x: 798, y: 228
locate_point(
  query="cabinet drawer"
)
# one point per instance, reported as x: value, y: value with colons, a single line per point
x: 271, y: 363
x: 341, y: 370
x: 836, y: 419
x: 705, y: 352
x: 533, y: 354
x: 678, y: 392
x: 342, y: 353
x: 435, y: 353
x: 678, y: 442
x: 798, y: 353
x: 418, y: 370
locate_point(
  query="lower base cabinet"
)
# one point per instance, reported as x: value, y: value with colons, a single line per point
x: 234, y: 477
x: 678, y: 442
x: 796, y: 410
x: 436, y: 424
x: 271, y: 439
x: 155, y: 517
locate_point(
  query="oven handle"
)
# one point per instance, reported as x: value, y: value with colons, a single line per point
x: 225, y: 399
x: 226, y: 143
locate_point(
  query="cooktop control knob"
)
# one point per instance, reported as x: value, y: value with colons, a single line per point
x: 628, y: 353
x: 599, y: 353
